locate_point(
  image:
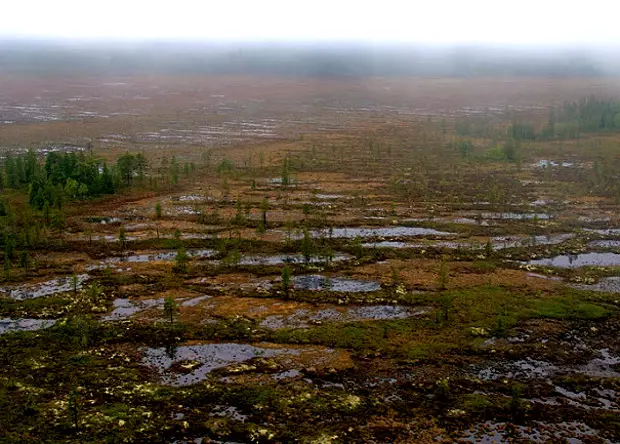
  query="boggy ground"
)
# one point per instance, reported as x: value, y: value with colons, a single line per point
x: 414, y: 306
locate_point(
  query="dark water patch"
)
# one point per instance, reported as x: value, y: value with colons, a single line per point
x: 325, y: 283
x: 540, y: 432
x: 503, y: 242
x: 189, y: 198
x: 181, y: 210
x: 579, y: 260
x: 470, y: 221
x: 605, y: 231
x: 331, y: 196
x: 545, y: 163
x: 59, y: 285
x: 605, y: 285
x: 522, y: 369
x: 353, y: 232
x: 515, y: 216
x: 289, y: 374
x: 125, y: 308
x: 605, y: 365
x: 230, y: 412
x: 103, y: 220
x: 604, y: 244
x: 196, y: 361
x: 197, y: 236
x: 542, y: 276
x: 195, y: 301
x: 305, y: 318
x: 590, y: 219
x: 497, y: 242
x: 388, y: 244
x: 8, y: 325
x: 156, y: 256
x: 596, y: 399
x: 281, y: 259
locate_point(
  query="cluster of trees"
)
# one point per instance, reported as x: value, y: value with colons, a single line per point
x: 20, y: 231
x: 565, y: 122
x: 569, y: 120
x: 49, y: 182
x: 170, y: 170
x: 591, y: 115
x: 68, y: 176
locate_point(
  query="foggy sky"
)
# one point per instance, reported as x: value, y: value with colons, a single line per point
x: 440, y: 22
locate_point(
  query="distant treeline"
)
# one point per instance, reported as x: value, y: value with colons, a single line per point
x: 291, y: 60
x: 565, y: 122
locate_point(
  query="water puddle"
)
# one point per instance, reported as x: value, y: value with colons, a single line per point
x: 230, y: 412
x: 590, y: 219
x: 515, y: 216
x: 499, y: 432
x: 103, y: 220
x: 59, y: 285
x: 605, y: 285
x: 289, y: 374
x: 8, y: 325
x: 388, y: 244
x: 125, y: 308
x: 579, y: 260
x: 522, y: 369
x: 353, y: 232
x: 469, y: 221
x: 178, y: 210
x: 604, y: 232
x: 552, y: 163
x: 603, y: 365
x: 281, y: 259
x: 154, y: 257
x: 498, y: 243
x: 502, y: 242
x: 304, y: 318
x: 542, y: 276
x: 324, y: 283
x: 604, y: 244
x: 189, y: 364
x: 189, y: 198
x: 331, y: 196
x: 195, y: 301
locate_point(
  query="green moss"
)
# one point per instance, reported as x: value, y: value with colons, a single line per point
x: 476, y: 403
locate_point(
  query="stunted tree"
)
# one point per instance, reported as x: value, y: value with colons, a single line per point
x: 141, y: 165
x: 307, y: 246
x: 286, y: 172
x: 170, y: 308
x: 126, y: 165
x: 286, y: 280
x: 157, y: 217
x: 75, y: 282
x: 175, y: 170
x: 122, y: 238
x: 264, y: 207
x: 181, y: 260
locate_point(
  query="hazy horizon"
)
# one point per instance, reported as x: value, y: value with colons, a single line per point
x: 529, y: 24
